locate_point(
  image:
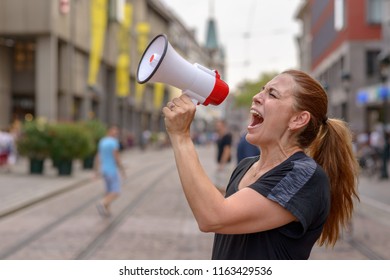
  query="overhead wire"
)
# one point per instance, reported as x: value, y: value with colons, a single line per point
x: 247, y: 35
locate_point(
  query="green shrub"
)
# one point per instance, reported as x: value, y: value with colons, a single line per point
x: 70, y: 141
x: 34, y: 141
x: 97, y: 129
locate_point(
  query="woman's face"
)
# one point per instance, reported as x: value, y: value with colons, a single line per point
x: 272, y: 111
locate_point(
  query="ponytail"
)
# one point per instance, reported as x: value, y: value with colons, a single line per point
x: 332, y: 149
x: 329, y: 143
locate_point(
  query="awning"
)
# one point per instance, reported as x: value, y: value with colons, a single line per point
x: 372, y: 95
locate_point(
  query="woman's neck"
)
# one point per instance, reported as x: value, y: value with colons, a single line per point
x: 273, y: 157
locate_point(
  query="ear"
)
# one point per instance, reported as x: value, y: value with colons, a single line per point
x: 299, y: 120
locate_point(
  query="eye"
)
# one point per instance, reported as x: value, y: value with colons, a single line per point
x: 272, y: 93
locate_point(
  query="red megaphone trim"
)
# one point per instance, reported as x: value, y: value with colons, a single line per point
x: 219, y: 92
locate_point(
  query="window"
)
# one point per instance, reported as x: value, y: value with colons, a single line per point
x: 24, y: 53
x: 339, y: 14
x: 374, y: 11
x: 372, y: 64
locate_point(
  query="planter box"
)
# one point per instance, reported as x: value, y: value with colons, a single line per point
x: 64, y: 167
x: 88, y: 162
x: 36, y: 166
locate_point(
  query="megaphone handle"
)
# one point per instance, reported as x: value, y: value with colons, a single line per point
x: 186, y: 92
x: 191, y: 95
x: 196, y: 102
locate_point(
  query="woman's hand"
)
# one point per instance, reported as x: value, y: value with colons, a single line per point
x: 179, y: 114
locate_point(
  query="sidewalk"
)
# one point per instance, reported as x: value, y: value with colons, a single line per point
x: 19, y: 189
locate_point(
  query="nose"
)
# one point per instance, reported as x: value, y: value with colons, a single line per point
x: 258, y: 98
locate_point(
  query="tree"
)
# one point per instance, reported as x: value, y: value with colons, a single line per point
x: 248, y: 89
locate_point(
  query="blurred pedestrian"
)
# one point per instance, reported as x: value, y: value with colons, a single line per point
x: 246, y: 149
x: 377, y: 144
x: 300, y: 189
x: 385, y: 156
x: 224, y: 154
x: 109, y: 165
x: 145, y: 139
x: 7, y: 150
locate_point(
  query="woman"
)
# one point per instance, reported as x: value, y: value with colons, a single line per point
x: 301, y: 188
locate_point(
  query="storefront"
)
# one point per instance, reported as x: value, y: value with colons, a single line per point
x: 375, y: 100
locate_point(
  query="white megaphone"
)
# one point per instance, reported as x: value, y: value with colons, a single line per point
x: 161, y: 63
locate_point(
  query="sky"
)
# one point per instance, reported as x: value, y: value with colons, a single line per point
x: 258, y: 35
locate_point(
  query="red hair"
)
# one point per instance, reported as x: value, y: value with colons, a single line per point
x: 329, y: 143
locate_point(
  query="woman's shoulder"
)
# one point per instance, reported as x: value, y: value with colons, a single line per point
x: 245, y: 162
x: 306, y: 168
x: 302, y: 160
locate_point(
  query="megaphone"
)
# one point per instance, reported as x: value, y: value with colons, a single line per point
x: 161, y: 63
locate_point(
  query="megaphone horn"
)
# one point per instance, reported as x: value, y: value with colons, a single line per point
x: 161, y: 63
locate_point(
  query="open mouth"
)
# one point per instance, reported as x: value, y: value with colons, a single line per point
x: 256, y: 119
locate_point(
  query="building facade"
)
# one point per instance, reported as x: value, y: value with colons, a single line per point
x: 339, y: 44
x: 70, y: 60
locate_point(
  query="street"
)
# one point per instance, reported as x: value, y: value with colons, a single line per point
x: 151, y: 219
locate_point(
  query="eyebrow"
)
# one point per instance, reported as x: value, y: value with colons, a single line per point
x: 273, y: 89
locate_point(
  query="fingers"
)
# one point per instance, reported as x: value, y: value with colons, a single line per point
x: 185, y: 99
x: 178, y: 115
x: 183, y: 102
x: 171, y: 105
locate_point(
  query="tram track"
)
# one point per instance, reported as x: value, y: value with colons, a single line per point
x: 101, y: 238
x: 365, y: 250
x: 374, y: 211
x: 132, y: 177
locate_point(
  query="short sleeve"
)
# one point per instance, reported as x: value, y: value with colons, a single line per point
x: 300, y: 188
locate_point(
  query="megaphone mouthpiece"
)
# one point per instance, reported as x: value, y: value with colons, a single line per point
x: 161, y: 63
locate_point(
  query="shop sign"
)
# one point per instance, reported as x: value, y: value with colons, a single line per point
x: 373, y: 94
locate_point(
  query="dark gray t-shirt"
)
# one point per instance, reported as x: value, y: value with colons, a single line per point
x: 298, y: 184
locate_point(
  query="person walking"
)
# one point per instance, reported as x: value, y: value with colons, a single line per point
x: 246, y: 149
x: 7, y: 150
x: 377, y: 144
x: 224, y: 154
x: 109, y: 165
x: 300, y: 190
x: 385, y: 156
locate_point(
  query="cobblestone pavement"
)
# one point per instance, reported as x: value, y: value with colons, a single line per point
x: 152, y: 219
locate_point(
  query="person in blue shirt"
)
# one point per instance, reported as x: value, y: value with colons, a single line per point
x: 246, y: 149
x: 108, y: 164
